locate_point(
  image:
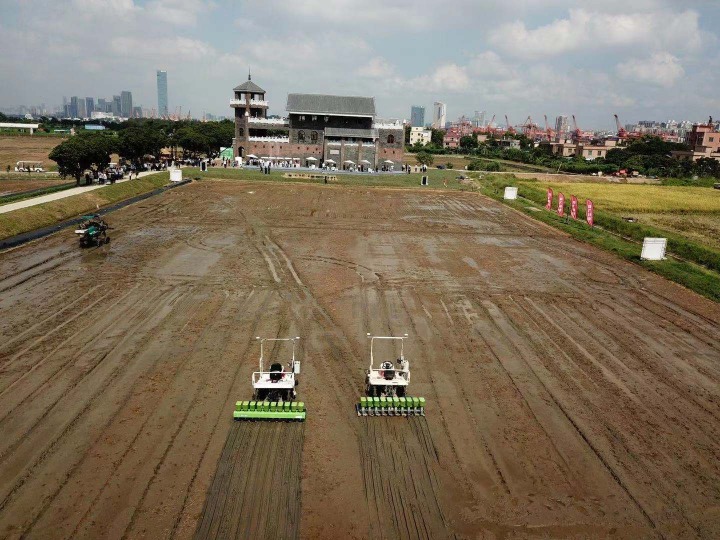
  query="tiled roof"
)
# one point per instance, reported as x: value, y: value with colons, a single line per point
x: 324, y: 104
x: 249, y: 86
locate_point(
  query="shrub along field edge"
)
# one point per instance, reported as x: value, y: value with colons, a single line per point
x: 43, y: 215
x: 699, y: 272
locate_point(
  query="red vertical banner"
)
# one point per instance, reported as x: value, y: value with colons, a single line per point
x: 590, y: 214
x: 573, y: 206
x: 561, y: 205
x: 549, y: 199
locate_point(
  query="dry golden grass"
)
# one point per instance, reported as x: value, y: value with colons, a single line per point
x: 702, y: 228
x: 26, y: 147
x: 625, y: 198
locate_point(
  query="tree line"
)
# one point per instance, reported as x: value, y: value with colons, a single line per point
x: 138, y: 140
x: 649, y: 155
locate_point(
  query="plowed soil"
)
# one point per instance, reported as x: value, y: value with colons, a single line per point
x: 569, y: 394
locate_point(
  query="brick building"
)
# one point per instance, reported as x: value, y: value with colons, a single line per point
x: 319, y: 128
x: 704, y: 142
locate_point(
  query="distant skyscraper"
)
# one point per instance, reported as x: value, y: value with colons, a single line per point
x: 101, y: 106
x: 73, y: 107
x: 115, y: 107
x: 89, y: 105
x: 81, y: 112
x: 439, y: 115
x: 162, y: 93
x: 417, y: 116
x: 137, y: 112
x: 126, y: 105
x: 561, y: 125
x: 479, y: 119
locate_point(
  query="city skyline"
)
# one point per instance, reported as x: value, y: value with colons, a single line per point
x: 649, y: 59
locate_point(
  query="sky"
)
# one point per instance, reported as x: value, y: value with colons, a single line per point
x: 641, y: 59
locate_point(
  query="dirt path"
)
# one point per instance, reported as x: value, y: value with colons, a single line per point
x: 569, y: 394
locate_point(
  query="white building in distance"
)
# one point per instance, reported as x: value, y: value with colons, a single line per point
x: 420, y: 135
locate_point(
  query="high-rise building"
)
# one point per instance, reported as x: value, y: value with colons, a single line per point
x: 73, y: 107
x: 126, y: 105
x: 162, y: 93
x: 137, y: 112
x: 439, y: 115
x: 479, y: 119
x: 115, y: 107
x: 89, y: 105
x: 417, y: 116
x: 81, y: 112
x: 561, y: 125
x: 101, y: 105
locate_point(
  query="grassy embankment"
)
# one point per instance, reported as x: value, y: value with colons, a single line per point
x: 435, y: 178
x: 695, y: 265
x: 43, y: 215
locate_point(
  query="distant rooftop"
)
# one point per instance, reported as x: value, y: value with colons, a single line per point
x: 335, y: 105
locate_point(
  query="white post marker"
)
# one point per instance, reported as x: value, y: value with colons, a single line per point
x: 510, y: 193
x: 653, y: 249
x: 175, y: 175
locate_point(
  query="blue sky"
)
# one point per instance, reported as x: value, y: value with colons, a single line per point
x: 642, y: 59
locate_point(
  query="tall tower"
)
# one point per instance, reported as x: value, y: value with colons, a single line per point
x: 248, y: 102
x: 162, y: 94
x: 417, y: 116
x: 126, y: 105
x: 561, y: 126
x: 439, y: 115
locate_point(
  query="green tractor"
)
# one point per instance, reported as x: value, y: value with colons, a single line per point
x: 93, y: 231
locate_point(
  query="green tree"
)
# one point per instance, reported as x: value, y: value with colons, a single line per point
x: 138, y: 141
x: 468, y: 143
x: 436, y: 137
x: 87, y: 151
x: 424, y: 158
x: 407, y: 134
x: 191, y: 140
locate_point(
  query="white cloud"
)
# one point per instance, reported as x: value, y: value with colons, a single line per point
x: 376, y: 68
x: 446, y: 78
x: 662, y: 69
x: 367, y: 15
x: 596, y: 31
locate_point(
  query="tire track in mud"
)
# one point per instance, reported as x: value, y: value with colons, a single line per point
x: 43, y: 399
x: 83, y: 409
x: 178, y: 433
x: 608, y: 446
x: 38, y: 269
x: 414, y: 486
x: 98, y: 335
x: 53, y: 499
x: 256, y: 489
x: 399, y: 459
x: 495, y: 472
x: 398, y: 464
x: 64, y: 307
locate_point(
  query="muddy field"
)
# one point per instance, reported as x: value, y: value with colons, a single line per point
x: 569, y: 394
x: 16, y: 184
